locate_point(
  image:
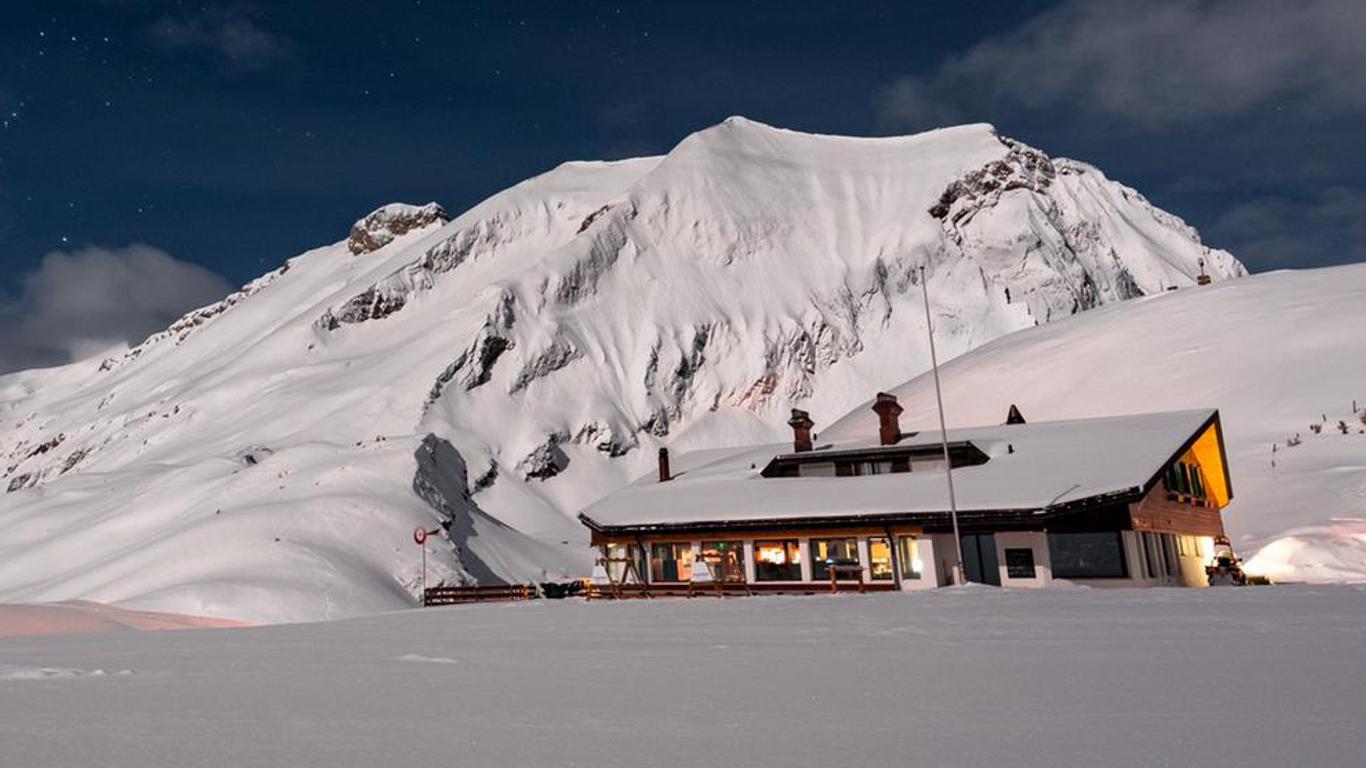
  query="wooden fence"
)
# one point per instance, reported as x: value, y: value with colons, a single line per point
x: 503, y: 593
x: 498, y: 593
x: 727, y: 589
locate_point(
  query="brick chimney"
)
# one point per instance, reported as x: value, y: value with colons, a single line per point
x: 801, y: 424
x: 889, y: 418
x: 664, y: 475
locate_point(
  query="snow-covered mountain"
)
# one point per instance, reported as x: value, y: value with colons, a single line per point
x: 267, y: 457
x: 1282, y: 355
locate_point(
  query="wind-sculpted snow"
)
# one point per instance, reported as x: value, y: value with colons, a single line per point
x: 551, y: 338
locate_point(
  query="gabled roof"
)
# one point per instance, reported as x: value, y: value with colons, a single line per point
x: 1053, y: 464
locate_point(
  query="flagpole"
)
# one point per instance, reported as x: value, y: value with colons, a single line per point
x: 943, y: 433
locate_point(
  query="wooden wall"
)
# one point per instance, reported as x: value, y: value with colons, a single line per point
x: 1161, y: 512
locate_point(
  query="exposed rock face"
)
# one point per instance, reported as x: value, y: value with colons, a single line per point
x: 382, y: 225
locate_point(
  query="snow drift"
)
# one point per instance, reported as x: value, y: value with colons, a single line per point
x: 1281, y: 355
x: 266, y: 457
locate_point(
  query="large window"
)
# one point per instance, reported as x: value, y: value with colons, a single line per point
x: 880, y: 559
x: 1185, y: 480
x: 828, y: 552
x: 1087, y: 555
x: 1169, y: 560
x: 777, y: 561
x: 1150, y: 554
x: 671, y: 562
x: 617, y: 555
x: 726, y: 559
x: 908, y: 552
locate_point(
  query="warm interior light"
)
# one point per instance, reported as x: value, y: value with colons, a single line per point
x: 774, y: 555
x: 1205, y: 452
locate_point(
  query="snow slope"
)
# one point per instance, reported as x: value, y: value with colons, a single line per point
x: 960, y: 678
x: 266, y: 458
x: 1276, y: 353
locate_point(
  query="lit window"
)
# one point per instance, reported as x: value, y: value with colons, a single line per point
x: 671, y: 562
x: 777, y: 561
x: 908, y: 552
x: 828, y: 552
x: 880, y: 559
x: 726, y: 559
x: 617, y: 555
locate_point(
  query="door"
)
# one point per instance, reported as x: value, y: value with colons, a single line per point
x: 979, y: 559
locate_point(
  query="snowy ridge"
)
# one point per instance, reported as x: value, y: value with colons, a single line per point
x: 496, y: 372
x: 1281, y: 355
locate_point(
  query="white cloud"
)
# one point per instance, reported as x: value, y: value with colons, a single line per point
x: 1154, y: 64
x: 229, y: 33
x: 79, y: 304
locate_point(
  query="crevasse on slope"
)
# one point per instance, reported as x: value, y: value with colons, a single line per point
x: 1282, y: 355
x: 266, y: 457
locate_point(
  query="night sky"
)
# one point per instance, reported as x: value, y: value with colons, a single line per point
x: 153, y: 154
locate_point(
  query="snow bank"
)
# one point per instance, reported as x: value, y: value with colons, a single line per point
x: 80, y: 617
x: 1256, y: 678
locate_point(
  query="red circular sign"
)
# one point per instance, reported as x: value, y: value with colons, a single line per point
x: 420, y: 536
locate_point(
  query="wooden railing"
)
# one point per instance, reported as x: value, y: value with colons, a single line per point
x: 497, y: 593
x: 503, y: 593
x: 727, y: 589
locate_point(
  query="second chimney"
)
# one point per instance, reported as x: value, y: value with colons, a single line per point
x: 889, y: 418
x: 801, y: 424
x: 664, y: 475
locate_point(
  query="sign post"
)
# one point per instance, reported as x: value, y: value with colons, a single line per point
x: 420, y: 535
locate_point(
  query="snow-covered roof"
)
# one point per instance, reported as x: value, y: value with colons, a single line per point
x: 1053, y: 463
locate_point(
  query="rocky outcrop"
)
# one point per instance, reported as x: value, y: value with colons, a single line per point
x: 392, y: 293
x: 1022, y: 168
x: 382, y: 225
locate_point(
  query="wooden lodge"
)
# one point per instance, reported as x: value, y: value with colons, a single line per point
x: 1119, y: 501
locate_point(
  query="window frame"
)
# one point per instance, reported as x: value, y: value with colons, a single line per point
x: 820, y: 570
x: 891, y: 559
x: 907, y: 564
x: 1033, y: 564
x: 1064, y: 573
x: 787, y: 552
x: 737, y: 546
x: 678, y: 548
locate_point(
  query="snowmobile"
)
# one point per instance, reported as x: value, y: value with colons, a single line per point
x: 1227, y: 568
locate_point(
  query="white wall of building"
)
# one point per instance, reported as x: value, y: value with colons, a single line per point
x: 1037, y: 543
x: 926, y: 549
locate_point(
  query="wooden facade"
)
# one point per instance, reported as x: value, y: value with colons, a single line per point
x: 1164, y: 511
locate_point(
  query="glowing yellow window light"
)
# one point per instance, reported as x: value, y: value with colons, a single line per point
x: 1206, y: 452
